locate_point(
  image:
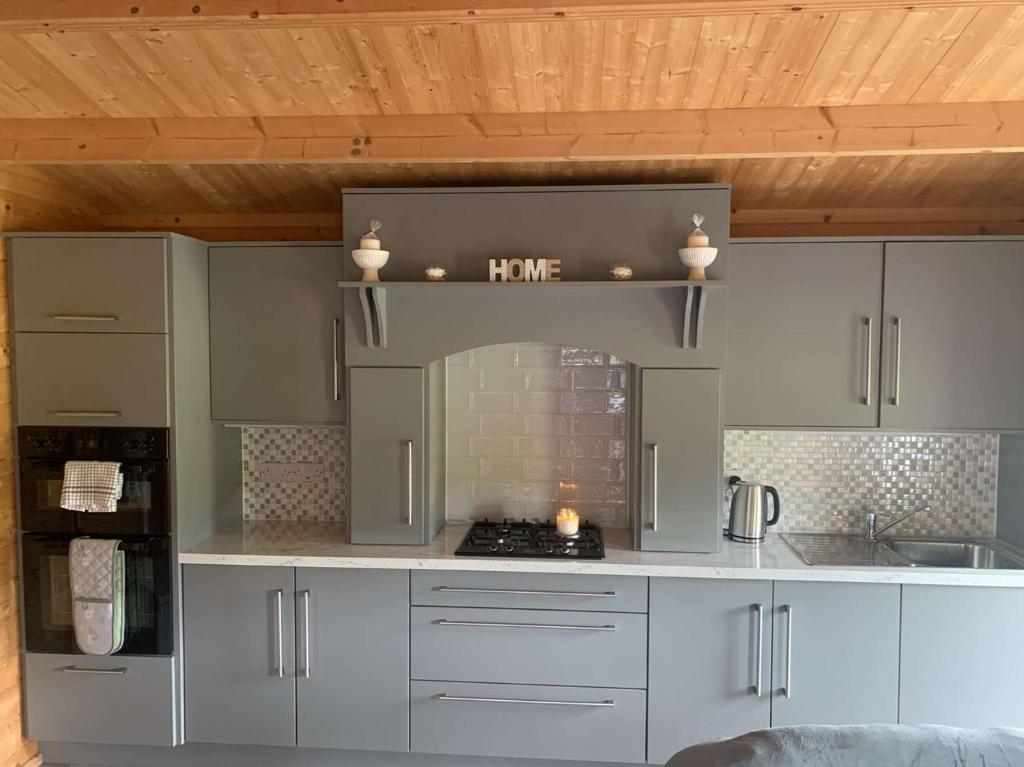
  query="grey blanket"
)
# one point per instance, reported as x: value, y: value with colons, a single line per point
x: 861, y: 746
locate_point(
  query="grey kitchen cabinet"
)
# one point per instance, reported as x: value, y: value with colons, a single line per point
x: 710, y: 660
x: 961, y: 662
x: 836, y: 653
x: 803, y: 338
x: 386, y: 437
x: 119, y: 700
x: 239, y: 654
x: 275, y: 334
x: 680, y: 467
x: 954, y: 328
x: 353, y: 658
x: 91, y: 379
x: 89, y: 284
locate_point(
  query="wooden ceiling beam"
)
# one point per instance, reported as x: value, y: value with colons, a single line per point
x: 112, y: 15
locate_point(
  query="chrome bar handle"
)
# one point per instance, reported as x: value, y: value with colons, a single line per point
x: 279, y: 597
x: 307, y: 663
x: 336, y: 323
x: 524, y: 592
x: 654, y: 487
x: 898, y: 360
x: 120, y: 671
x: 759, y: 668
x: 85, y: 317
x: 502, y: 624
x: 867, y: 362
x: 87, y: 413
x: 788, y: 689
x: 408, y: 479
x: 529, y: 701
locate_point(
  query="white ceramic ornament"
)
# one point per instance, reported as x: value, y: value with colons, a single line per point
x: 697, y: 255
x: 368, y: 256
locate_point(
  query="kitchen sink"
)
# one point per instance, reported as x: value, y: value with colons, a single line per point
x: 832, y: 550
x: 932, y: 552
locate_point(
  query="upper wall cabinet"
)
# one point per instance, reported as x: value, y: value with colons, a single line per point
x: 90, y: 284
x: 954, y: 331
x: 804, y: 325
x: 275, y: 334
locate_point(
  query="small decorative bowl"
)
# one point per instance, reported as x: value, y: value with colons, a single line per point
x: 622, y: 272
x: 697, y: 259
x: 370, y: 261
x: 436, y: 274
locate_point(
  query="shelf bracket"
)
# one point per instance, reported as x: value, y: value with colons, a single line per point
x: 694, y: 304
x: 375, y: 316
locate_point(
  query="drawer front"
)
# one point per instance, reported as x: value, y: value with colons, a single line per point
x: 548, y: 647
x: 538, y: 591
x: 91, y: 379
x: 83, y: 699
x: 89, y: 284
x: 528, y: 721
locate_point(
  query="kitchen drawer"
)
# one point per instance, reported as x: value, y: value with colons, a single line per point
x: 85, y: 699
x: 538, y: 591
x: 547, y: 647
x: 582, y: 723
x: 89, y: 284
x: 91, y: 379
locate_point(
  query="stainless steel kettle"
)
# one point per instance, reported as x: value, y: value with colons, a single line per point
x: 748, y: 514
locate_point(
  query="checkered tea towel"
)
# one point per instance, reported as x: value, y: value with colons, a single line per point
x: 91, y: 486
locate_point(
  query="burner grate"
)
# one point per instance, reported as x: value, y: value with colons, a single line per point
x: 510, y: 538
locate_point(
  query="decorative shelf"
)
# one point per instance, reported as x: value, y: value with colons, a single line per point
x: 549, y: 284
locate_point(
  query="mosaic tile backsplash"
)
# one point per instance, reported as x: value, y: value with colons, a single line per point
x: 294, y: 473
x: 533, y: 427
x: 829, y: 480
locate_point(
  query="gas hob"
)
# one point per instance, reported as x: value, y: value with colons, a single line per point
x: 509, y: 538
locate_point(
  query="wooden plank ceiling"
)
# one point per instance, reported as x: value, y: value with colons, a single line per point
x: 86, y: 79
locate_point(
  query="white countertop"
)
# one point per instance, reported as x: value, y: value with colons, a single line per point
x: 305, y: 544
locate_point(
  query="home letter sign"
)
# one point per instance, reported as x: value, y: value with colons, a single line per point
x: 526, y: 270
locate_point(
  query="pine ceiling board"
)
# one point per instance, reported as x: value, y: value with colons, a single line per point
x: 45, y: 90
x: 648, y: 60
x: 681, y: 52
x: 999, y: 67
x: 737, y: 84
x: 786, y: 67
x: 558, y: 65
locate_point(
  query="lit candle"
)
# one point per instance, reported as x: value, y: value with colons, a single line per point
x: 567, y: 522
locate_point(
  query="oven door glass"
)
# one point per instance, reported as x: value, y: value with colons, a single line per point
x: 142, y: 509
x: 47, y: 585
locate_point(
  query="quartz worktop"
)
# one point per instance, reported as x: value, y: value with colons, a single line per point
x: 305, y: 544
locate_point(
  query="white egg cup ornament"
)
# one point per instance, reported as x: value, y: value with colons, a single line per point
x: 368, y: 256
x: 697, y: 255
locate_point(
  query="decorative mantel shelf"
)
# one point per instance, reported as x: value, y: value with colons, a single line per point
x: 373, y: 299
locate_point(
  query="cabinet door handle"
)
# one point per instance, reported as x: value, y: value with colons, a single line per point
x: 408, y: 482
x: 897, y: 359
x: 85, y: 317
x: 87, y: 413
x: 525, y: 592
x: 279, y: 600
x: 121, y: 671
x: 759, y: 666
x: 867, y: 361
x: 528, y: 701
x: 787, y: 690
x: 504, y: 625
x: 307, y: 661
x: 654, y: 487
x: 336, y: 324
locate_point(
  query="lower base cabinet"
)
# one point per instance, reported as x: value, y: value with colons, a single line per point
x: 961, y: 656
x: 311, y: 657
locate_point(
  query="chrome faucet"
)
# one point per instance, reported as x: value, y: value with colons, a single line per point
x: 871, y: 532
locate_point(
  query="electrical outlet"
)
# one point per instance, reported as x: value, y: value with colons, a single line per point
x: 271, y: 471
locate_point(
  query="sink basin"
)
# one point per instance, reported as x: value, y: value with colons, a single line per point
x: 932, y: 552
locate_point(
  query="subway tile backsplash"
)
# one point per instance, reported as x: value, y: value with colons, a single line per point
x: 829, y: 480
x: 532, y: 427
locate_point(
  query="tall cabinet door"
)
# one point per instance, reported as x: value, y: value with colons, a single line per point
x: 710, y: 642
x: 276, y: 334
x: 680, y: 467
x: 954, y: 328
x: 386, y: 455
x: 836, y: 649
x: 239, y: 654
x: 804, y: 326
x: 352, y: 634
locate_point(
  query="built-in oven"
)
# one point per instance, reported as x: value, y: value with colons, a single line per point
x: 46, y: 584
x: 144, y: 507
